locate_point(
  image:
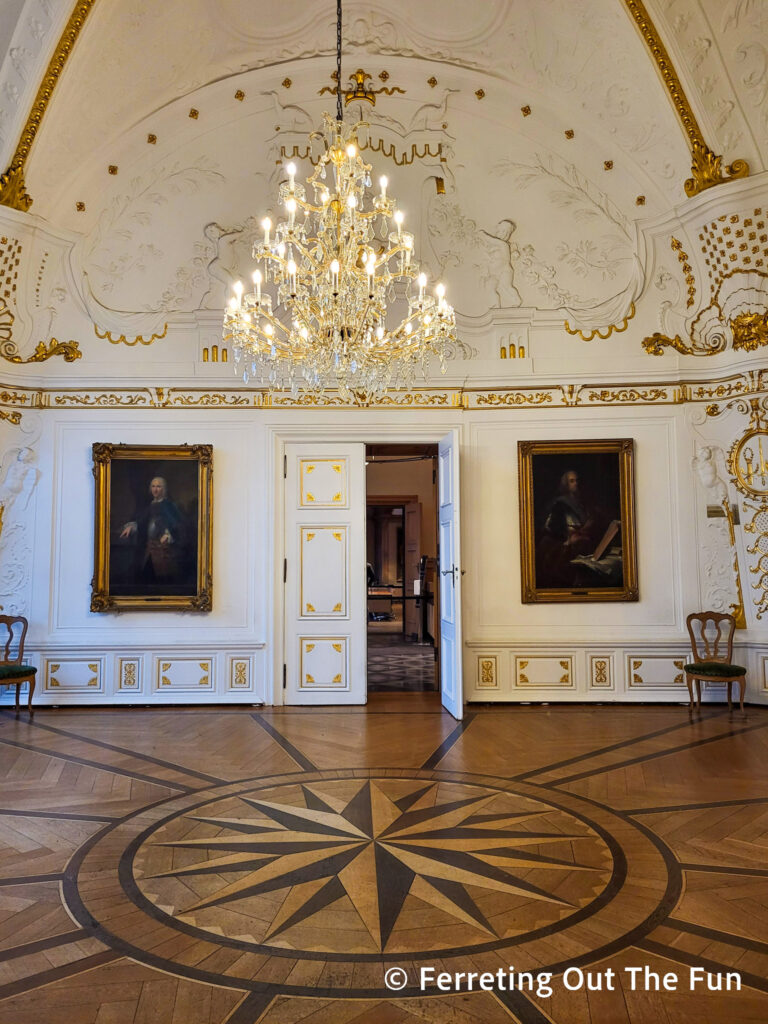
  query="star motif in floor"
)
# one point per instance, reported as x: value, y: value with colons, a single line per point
x: 376, y: 849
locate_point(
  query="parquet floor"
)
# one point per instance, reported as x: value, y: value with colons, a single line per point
x: 202, y: 866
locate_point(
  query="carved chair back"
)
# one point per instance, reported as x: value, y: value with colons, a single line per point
x: 13, y: 629
x: 711, y: 636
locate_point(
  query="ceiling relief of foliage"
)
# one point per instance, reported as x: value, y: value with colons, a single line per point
x: 532, y: 147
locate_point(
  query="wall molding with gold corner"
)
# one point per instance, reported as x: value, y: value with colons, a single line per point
x: 121, y: 673
x: 628, y: 671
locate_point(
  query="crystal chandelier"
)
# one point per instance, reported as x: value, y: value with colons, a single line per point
x: 338, y: 298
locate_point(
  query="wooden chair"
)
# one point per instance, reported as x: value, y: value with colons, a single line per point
x: 12, y: 669
x: 711, y: 636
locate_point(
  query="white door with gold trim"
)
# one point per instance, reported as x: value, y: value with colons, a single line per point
x: 325, y: 583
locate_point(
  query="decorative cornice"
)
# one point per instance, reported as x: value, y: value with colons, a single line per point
x: 706, y: 167
x: 675, y: 392
x: 13, y: 191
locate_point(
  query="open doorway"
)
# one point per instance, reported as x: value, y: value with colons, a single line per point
x: 401, y: 551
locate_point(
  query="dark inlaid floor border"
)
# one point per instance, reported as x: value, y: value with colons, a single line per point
x: 730, y: 734
x: 27, y: 948
x: 59, y: 815
x: 288, y: 747
x: 192, y: 772
x: 743, y: 942
x: 53, y: 876
x: 680, y: 956
x: 609, y: 749
x: 33, y: 981
x: 101, y: 766
x: 435, y: 758
x: 725, y: 869
x: 702, y: 806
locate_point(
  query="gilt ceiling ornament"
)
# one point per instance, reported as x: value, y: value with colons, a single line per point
x: 338, y: 298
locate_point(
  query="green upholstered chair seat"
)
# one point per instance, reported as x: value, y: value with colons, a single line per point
x: 715, y: 668
x: 9, y: 673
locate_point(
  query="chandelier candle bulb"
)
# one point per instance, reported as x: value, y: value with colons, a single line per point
x: 383, y: 182
x: 267, y: 225
x: 257, y: 282
x: 291, y: 171
x: 399, y: 218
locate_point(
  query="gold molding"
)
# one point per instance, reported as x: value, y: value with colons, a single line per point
x: 13, y: 191
x: 138, y: 340
x: 673, y: 391
x: 706, y: 168
x: 606, y: 332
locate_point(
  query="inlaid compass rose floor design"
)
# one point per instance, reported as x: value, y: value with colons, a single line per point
x: 207, y: 866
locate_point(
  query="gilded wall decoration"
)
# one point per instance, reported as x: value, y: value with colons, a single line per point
x: 358, y: 89
x: 747, y: 462
x: 734, y: 248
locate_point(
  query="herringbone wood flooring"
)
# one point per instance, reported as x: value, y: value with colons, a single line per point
x: 203, y: 866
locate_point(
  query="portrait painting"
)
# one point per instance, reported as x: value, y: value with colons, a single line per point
x: 577, y: 521
x: 153, y: 527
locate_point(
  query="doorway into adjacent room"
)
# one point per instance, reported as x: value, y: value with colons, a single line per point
x: 402, y: 553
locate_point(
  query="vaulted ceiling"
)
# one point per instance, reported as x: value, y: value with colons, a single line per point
x: 533, y: 142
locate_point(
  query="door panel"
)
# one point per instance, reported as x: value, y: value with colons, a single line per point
x: 451, y: 688
x: 325, y: 586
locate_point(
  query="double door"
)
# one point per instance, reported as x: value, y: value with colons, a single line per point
x: 325, y: 586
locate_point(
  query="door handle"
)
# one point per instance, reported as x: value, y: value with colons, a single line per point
x: 452, y: 573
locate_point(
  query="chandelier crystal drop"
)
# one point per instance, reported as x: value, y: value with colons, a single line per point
x: 338, y: 299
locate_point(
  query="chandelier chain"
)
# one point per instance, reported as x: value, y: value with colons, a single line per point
x: 339, y: 109
x: 338, y: 297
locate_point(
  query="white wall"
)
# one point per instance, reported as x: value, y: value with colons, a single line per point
x: 611, y: 651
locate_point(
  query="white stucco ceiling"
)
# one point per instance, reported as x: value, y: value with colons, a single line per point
x: 541, y: 210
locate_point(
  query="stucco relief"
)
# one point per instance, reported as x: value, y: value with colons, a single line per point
x: 21, y: 68
x: 120, y: 255
x: 711, y: 35
x: 717, y: 549
x: 593, y: 269
x: 19, y: 476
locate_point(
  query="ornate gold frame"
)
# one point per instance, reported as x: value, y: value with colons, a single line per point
x: 101, y: 598
x: 623, y: 448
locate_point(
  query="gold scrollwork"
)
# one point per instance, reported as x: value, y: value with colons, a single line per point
x: 357, y: 89
x: 138, y: 340
x: 706, y: 167
x: 657, y: 342
x: 600, y: 332
x: 13, y: 192
x: 69, y: 350
x: 11, y: 417
x: 515, y: 398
